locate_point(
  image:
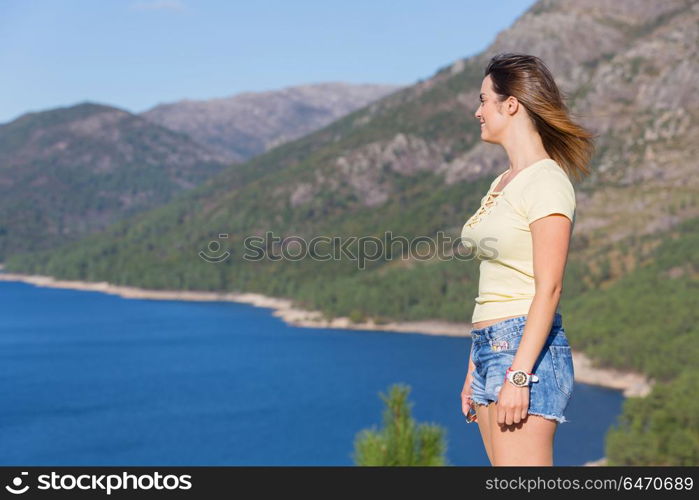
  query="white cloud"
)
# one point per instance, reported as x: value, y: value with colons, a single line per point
x: 175, y: 5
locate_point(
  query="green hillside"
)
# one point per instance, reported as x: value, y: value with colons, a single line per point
x: 70, y: 171
x: 647, y: 321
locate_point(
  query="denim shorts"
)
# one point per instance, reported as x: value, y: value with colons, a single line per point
x: 493, y: 351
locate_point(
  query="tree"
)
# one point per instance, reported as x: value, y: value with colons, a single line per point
x: 660, y: 429
x: 401, y: 441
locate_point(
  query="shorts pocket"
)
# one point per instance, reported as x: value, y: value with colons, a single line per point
x: 507, y: 343
x: 562, y: 358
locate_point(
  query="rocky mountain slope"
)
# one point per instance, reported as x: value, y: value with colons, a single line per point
x: 413, y: 161
x: 250, y: 123
x: 630, y: 70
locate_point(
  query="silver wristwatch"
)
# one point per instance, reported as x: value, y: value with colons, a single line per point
x: 520, y: 378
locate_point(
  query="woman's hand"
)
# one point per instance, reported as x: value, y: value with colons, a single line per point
x: 466, y: 401
x: 513, y: 403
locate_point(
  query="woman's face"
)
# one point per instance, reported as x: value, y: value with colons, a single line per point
x: 493, y: 122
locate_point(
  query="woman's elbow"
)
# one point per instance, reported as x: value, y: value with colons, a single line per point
x: 552, y: 290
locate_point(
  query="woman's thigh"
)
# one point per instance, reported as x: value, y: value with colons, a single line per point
x: 529, y: 442
x: 483, y: 420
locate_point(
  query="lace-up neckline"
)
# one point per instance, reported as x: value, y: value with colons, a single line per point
x: 489, y: 202
x: 492, y: 198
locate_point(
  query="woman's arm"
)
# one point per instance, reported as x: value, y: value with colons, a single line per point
x: 550, y: 240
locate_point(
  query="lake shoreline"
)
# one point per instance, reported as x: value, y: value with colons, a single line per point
x: 631, y: 383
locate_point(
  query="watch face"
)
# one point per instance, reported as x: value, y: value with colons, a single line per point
x: 519, y: 378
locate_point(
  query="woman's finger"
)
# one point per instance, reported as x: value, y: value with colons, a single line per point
x: 464, y: 404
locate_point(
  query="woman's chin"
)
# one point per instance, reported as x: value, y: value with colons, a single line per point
x: 486, y: 138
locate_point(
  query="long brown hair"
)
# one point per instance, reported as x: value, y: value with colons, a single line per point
x: 527, y: 78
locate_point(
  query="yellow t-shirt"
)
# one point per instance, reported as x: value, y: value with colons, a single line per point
x: 498, y: 234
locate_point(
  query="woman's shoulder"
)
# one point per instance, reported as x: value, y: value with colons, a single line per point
x: 548, y: 175
x: 538, y: 180
x: 547, y: 190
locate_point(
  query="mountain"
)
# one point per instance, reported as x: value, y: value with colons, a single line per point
x: 250, y: 123
x: 70, y: 171
x: 412, y: 163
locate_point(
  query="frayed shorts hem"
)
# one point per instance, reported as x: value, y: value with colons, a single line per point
x: 560, y: 419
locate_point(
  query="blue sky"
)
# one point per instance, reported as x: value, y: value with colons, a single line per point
x: 137, y: 54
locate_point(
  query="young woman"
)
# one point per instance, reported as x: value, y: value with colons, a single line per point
x: 520, y: 371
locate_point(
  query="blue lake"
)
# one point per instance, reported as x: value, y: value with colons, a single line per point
x: 88, y: 378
